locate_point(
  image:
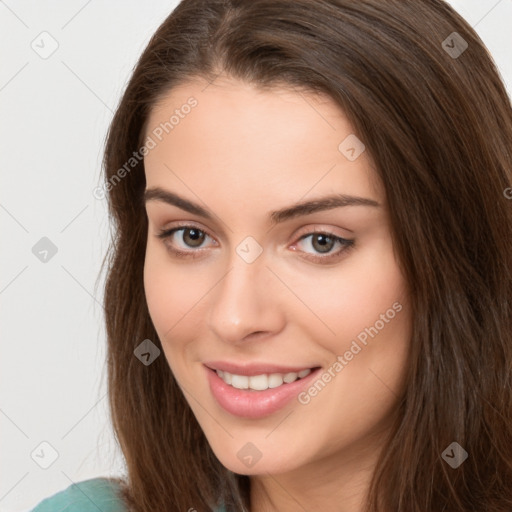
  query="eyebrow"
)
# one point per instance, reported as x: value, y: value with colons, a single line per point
x: 276, y: 217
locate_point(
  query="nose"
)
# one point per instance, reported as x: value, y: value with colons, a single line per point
x: 246, y: 302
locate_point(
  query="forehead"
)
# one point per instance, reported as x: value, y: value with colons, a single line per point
x: 279, y: 143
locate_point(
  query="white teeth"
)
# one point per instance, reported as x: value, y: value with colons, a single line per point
x: 275, y: 380
x: 290, y: 377
x: 261, y: 382
x: 240, y: 381
x: 258, y: 382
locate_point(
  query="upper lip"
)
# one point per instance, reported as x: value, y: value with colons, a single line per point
x: 251, y: 369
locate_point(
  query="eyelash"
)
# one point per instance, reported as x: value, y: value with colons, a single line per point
x: 345, y: 243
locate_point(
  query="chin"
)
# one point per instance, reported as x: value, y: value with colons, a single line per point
x: 270, y: 464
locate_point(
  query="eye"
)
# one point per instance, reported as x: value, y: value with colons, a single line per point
x: 322, y: 243
x: 190, y: 238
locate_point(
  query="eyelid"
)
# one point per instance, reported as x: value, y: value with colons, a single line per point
x: 317, y: 229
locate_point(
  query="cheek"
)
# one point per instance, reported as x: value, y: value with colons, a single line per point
x: 349, y: 298
x: 173, y: 298
x: 171, y: 292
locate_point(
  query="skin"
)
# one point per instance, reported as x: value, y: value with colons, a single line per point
x: 242, y: 153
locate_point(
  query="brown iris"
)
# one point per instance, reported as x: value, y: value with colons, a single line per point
x: 325, y: 242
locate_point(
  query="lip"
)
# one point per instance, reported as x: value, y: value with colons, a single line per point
x: 253, y: 369
x: 255, y: 404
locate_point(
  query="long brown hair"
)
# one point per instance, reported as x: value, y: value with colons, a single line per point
x: 432, y: 110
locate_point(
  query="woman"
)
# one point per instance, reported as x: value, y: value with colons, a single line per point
x: 308, y: 302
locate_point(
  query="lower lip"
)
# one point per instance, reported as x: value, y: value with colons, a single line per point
x: 255, y: 404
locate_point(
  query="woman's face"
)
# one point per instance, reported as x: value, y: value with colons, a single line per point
x: 273, y: 295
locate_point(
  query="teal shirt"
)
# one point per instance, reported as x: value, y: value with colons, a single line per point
x: 97, y: 494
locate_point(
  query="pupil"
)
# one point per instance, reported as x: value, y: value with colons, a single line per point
x: 325, y: 243
x: 195, y: 235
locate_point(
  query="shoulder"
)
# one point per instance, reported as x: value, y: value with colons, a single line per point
x: 86, y: 496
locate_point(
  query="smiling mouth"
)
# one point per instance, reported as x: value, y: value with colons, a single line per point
x: 251, y: 396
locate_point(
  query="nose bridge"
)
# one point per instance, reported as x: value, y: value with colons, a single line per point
x: 242, y: 302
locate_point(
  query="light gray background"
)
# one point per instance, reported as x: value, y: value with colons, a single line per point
x: 54, y: 117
